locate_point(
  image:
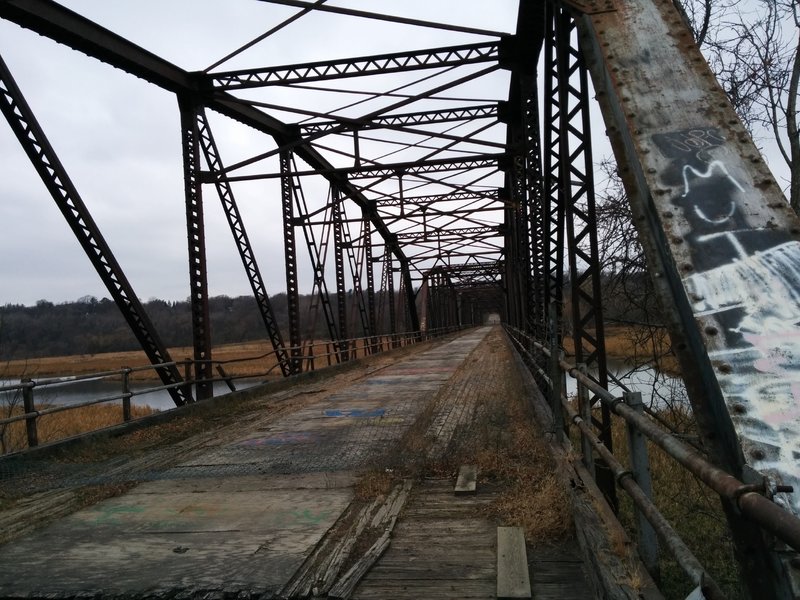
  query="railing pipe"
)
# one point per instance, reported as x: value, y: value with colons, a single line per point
x: 751, y: 504
x: 624, y: 478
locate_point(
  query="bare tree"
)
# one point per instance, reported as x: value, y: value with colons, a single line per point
x: 752, y: 47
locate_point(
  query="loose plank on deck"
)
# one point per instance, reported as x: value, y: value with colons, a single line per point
x: 513, y: 580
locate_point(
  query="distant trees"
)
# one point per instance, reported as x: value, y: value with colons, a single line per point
x: 753, y: 48
x: 92, y: 326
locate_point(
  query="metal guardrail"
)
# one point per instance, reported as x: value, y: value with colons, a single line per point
x: 750, y: 500
x: 309, y: 355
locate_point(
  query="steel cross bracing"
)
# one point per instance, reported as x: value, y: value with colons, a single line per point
x: 571, y: 186
x: 470, y: 204
x: 69, y: 202
x: 429, y: 117
x: 239, y: 232
x: 380, y: 64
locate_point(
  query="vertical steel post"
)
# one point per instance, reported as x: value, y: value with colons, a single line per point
x: 126, y: 394
x: 371, y: 318
x: 556, y: 377
x: 198, y: 284
x: 410, y: 297
x: 198, y: 278
x: 640, y: 465
x: 392, y: 299
x: 585, y: 411
x: 341, y: 289
x: 290, y: 255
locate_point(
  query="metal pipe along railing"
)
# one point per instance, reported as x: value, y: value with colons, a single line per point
x: 746, y: 498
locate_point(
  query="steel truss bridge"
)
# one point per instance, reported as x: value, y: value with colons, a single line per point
x: 424, y: 205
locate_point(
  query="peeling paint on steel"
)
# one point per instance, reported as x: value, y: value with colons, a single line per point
x: 716, y: 223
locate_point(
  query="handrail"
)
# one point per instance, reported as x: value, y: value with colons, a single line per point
x: 333, y: 352
x: 748, y: 499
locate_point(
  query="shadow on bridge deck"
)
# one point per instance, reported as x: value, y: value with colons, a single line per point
x: 238, y: 508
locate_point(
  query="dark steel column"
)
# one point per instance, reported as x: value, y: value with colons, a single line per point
x: 373, y: 329
x: 195, y: 233
x: 44, y: 159
x: 410, y: 297
x: 392, y: 299
x: 341, y: 289
x: 290, y: 250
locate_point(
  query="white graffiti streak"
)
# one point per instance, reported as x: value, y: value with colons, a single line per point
x: 755, y: 295
x: 712, y: 166
x: 763, y: 385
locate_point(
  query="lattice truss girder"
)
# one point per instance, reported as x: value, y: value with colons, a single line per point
x: 379, y: 168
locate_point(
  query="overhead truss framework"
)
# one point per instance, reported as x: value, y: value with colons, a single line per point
x: 434, y: 187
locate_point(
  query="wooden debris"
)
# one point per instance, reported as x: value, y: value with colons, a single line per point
x: 513, y: 580
x: 467, y: 481
x: 385, y: 518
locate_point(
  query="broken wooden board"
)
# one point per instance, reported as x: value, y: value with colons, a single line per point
x: 467, y: 481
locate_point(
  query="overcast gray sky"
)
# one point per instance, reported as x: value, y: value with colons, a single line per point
x: 119, y: 138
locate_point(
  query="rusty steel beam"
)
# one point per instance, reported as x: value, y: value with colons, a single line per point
x: 479, y: 161
x: 435, y: 198
x: 55, y: 178
x: 723, y: 248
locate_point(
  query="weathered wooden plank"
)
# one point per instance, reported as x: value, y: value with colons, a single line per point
x: 345, y: 586
x: 467, y: 482
x: 414, y: 590
x: 456, y: 571
x: 513, y: 580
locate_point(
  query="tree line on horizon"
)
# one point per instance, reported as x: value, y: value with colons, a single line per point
x: 91, y: 326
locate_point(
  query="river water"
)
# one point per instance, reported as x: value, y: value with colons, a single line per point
x: 657, y: 389
x: 75, y: 392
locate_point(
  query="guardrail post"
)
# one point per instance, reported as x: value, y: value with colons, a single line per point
x: 187, y: 376
x: 126, y: 394
x: 585, y: 411
x: 640, y: 466
x: 30, y: 422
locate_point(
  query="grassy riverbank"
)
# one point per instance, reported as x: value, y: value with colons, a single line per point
x: 82, y: 364
x: 62, y: 425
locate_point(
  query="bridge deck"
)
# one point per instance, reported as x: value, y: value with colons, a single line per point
x: 238, y: 508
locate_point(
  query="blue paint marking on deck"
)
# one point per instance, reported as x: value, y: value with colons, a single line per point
x: 358, y: 413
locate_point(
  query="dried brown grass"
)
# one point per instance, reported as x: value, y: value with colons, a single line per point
x: 65, y: 424
x: 374, y: 484
x: 636, y: 345
x: 531, y: 495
